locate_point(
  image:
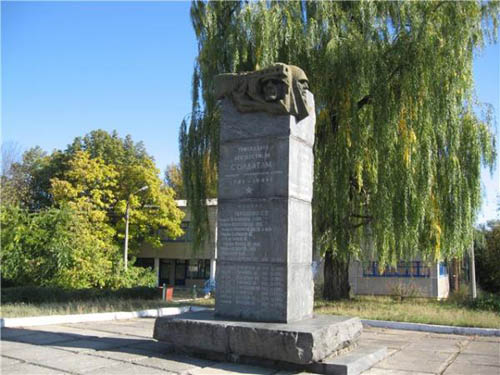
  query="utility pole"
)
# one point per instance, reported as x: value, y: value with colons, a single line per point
x: 127, y: 217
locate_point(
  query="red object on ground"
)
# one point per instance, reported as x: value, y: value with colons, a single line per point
x: 169, y: 294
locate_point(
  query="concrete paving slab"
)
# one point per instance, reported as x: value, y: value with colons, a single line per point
x: 123, y: 354
x: 12, y: 333
x: 6, y: 361
x: 77, y: 363
x: 478, y: 359
x: 402, y: 333
x: 231, y: 368
x: 43, y: 338
x: 483, y: 348
x: 129, y: 369
x: 7, y: 347
x: 378, y: 371
x: 398, y: 345
x: 32, y: 353
x: 27, y: 368
x: 434, y: 344
x: 487, y: 338
x: 173, y: 363
x: 463, y: 369
x: 83, y: 331
x: 416, y: 360
x: 117, y: 329
x: 80, y: 346
x: 451, y: 336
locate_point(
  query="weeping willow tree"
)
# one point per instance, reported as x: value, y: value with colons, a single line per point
x: 399, y: 145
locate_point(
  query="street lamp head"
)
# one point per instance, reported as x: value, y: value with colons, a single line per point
x: 146, y: 187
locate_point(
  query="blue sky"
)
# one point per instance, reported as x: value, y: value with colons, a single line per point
x: 72, y: 67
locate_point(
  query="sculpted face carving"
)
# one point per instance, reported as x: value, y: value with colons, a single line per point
x: 270, y: 91
x: 280, y: 89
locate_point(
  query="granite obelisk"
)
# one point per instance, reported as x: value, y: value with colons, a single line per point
x: 264, y: 241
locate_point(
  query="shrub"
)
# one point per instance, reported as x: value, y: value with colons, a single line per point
x: 403, y: 290
x: 487, y: 255
x: 60, y: 248
x: 38, y: 295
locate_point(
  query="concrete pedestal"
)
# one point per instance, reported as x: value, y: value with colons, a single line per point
x: 304, y: 342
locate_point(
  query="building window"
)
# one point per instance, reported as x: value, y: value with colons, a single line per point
x: 180, y: 271
x: 145, y: 263
x: 403, y: 269
x: 186, y: 237
x: 199, y: 269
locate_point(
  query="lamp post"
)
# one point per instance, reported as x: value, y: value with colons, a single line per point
x: 127, y: 216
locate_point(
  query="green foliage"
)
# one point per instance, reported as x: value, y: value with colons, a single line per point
x: 38, y: 295
x: 398, y: 146
x: 487, y: 302
x: 96, y: 175
x: 53, y: 247
x: 174, y: 180
x: 487, y: 255
x: 102, y: 172
x: 484, y: 301
x: 64, y: 225
x: 60, y: 247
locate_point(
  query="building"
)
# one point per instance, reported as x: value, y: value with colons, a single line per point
x: 413, y: 278
x: 176, y: 262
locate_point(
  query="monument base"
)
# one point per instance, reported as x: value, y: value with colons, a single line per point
x: 303, y: 342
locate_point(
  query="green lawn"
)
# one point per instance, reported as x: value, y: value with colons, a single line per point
x: 379, y: 308
x: 418, y: 310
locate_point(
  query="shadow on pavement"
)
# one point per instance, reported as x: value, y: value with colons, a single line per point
x: 80, y: 342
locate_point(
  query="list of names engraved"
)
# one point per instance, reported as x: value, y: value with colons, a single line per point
x: 252, y: 285
x: 250, y: 231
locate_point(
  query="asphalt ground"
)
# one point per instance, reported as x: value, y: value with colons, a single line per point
x: 126, y: 347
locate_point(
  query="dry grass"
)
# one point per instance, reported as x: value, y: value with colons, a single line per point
x: 418, y: 310
x: 18, y: 310
x: 366, y: 307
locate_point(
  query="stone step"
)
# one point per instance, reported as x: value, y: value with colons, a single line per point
x: 351, y: 363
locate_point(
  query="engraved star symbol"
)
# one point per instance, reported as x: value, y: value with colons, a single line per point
x: 249, y: 190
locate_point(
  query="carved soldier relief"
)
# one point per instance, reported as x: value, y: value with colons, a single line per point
x: 280, y: 89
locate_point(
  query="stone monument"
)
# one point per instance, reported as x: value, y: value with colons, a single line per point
x: 264, y: 231
x: 264, y: 285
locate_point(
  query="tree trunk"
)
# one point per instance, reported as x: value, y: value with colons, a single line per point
x: 336, y: 275
x: 454, y: 275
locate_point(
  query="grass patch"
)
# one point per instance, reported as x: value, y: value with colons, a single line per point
x: 458, y: 310
x: 18, y: 310
x: 414, y: 310
x: 37, y: 301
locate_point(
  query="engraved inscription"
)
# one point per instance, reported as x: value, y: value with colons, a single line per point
x: 251, y: 167
x: 252, y: 232
x: 252, y: 287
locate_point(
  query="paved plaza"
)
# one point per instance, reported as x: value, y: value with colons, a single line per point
x: 126, y: 347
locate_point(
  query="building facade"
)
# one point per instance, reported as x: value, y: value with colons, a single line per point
x: 176, y: 262
x: 410, y: 278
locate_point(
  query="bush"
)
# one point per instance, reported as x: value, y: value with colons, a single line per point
x: 38, y: 295
x: 487, y: 256
x: 60, y: 248
x: 485, y: 301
